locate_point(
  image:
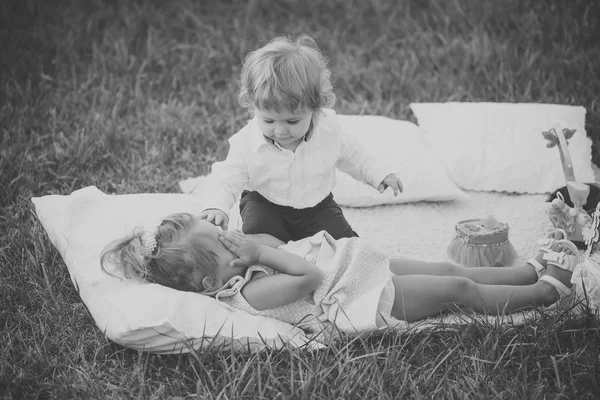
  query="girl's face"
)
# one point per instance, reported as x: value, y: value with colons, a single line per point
x: 208, y: 236
x: 284, y: 127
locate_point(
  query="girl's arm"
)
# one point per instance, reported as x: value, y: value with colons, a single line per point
x: 297, y: 278
x: 265, y: 239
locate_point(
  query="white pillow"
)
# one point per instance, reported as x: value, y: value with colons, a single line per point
x: 499, y: 146
x: 400, y: 144
x: 136, y: 314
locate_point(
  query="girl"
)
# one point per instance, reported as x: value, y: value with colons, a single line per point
x: 284, y: 161
x: 343, y: 282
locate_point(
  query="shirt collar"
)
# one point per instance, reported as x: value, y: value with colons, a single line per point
x: 259, y: 140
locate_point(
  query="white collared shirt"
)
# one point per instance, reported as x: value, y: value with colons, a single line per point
x: 299, y: 179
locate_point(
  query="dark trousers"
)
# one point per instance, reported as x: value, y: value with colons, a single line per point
x: 259, y: 215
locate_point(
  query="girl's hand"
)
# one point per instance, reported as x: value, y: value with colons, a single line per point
x: 391, y: 181
x: 245, y: 249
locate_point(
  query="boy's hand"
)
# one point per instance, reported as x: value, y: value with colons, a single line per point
x: 245, y: 249
x: 216, y: 217
x: 392, y: 181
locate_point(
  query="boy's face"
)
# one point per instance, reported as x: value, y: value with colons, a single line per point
x: 284, y: 127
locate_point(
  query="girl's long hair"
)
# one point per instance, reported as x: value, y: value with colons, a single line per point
x: 177, y: 262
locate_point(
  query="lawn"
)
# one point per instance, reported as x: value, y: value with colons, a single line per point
x: 132, y: 96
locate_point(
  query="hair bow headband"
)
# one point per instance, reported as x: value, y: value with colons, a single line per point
x: 148, y: 240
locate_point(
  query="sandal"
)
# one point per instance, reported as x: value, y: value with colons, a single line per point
x: 539, y: 268
x: 549, y: 239
x: 563, y: 261
x: 546, y: 243
x: 562, y: 289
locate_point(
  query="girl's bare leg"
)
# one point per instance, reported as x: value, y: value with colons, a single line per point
x: 422, y: 296
x: 521, y: 275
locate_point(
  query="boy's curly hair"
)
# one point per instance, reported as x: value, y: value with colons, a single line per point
x: 287, y: 73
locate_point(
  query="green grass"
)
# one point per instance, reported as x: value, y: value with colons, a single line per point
x: 132, y: 96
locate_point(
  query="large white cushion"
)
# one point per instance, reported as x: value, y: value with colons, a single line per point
x: 499, y: 146
x: 400, y: 144
x: 137, y: 314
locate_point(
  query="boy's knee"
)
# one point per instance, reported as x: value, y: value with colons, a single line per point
x: 266, y: 226
x: 333, y: 222
x: 342, y: 231
x: 259, y: 216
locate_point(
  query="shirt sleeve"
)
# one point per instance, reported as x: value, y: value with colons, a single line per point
x: 357, y: 162
x: 228, y: 178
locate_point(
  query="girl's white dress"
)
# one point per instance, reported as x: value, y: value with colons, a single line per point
x: 356, y: 293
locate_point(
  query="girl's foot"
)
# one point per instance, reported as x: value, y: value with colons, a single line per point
x: 560, y: 260
x: 551, y: 237
x: 539, y: 263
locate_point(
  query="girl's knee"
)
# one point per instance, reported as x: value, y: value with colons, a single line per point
x: 462, y: 287
x: 444, y: 268
x: 451, y: 269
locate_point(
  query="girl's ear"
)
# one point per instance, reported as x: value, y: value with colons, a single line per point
x: 237, y: 263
